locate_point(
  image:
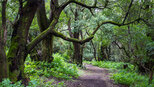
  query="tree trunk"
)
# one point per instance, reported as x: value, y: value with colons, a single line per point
x: 4, y: 30
x: 47, y: 48
x: 35, y: 53
x: 151, y: 76
x: 3, y: 62
x: 17, y: 52
x: 47, y: 43
x: 77, y: 57
x: 102, y: 54
x: 94, y: 48
x: 78, y: 50
x: 3, y: 59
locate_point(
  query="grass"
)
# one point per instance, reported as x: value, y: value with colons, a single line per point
x: 128, y: 76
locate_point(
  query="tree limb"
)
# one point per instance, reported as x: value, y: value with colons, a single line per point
x: 41, y: 36
x: 114, y: 23
x: 130, y: 5
x: 58, y: 34
x: 79, y: 3
x: 51, y: 30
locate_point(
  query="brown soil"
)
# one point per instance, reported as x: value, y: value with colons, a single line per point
x: 93, y: 77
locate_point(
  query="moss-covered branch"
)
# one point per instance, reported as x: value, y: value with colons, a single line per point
x: 41, y: 36
x: 58, y: 34
x: 81, y: 4
x: 51, y: 30
x: 48, y: 31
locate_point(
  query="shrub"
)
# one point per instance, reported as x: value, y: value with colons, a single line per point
x: 111, y: 65
x: 58, y: 68
x: 131, y: 79
x: 127, y: 76
x: 7, y: 83
x: 35, y: 81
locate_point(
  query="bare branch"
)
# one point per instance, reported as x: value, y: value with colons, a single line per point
x: 147, y: 23
x: 130, y: 5
x: 114, y: 23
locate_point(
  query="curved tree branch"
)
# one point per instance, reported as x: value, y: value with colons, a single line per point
x: 114, y: 23
x: 41, y: 36
x: 130, y: 5
x: 51, y: 30
x: 81, y: 4
x: 58, y: 34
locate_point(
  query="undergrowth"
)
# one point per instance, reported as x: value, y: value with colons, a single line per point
x: 34, y: 82
x: 128, y: 76
x: 39, y: 72
x: 58, y: 68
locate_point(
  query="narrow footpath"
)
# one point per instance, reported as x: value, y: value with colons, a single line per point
x: 93, y: 76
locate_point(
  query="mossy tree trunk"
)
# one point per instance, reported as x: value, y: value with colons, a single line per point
x: 18, y: 51
x: 78, y: 50
x: 35, y: 53
x: 3, y: 59
x: 94, y: 48
x: 77, y: 55
x: 44, y: 22
x: 102, y: 54
x: 3, y: 62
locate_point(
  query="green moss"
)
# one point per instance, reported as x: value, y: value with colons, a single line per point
x: 13, y: 76
x: 12, y: 50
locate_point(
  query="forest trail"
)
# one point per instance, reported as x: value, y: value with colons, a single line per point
x: 93, y: 76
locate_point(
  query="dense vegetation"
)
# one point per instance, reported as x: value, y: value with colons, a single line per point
x: 128, y: 76
x: 40, y: 39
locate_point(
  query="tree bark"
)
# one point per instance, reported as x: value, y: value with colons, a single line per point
x: 44, y: 22
x: 78, y: 50
x: 35, y: 53
x: 77, y: 58
x: 4, y: 2
x: 18, y: 51
x: 3, y: 59
x: 3, y: 62
x: 77, y: 55
x: 94, y: 48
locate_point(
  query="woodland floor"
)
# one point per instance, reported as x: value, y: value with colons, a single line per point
x: 93, y: 77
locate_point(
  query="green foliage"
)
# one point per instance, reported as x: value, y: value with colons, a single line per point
x: 8, y: 83
x: 63, y: 69
x: 66, y: 56
x: 39, y: 71
x: 36, y: 81
x: 111, y: 65
x: 58, y: 68
x: 131, y: 79
x: 127, y: 76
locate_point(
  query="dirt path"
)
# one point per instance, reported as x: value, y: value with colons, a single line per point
x: 93, y: 77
